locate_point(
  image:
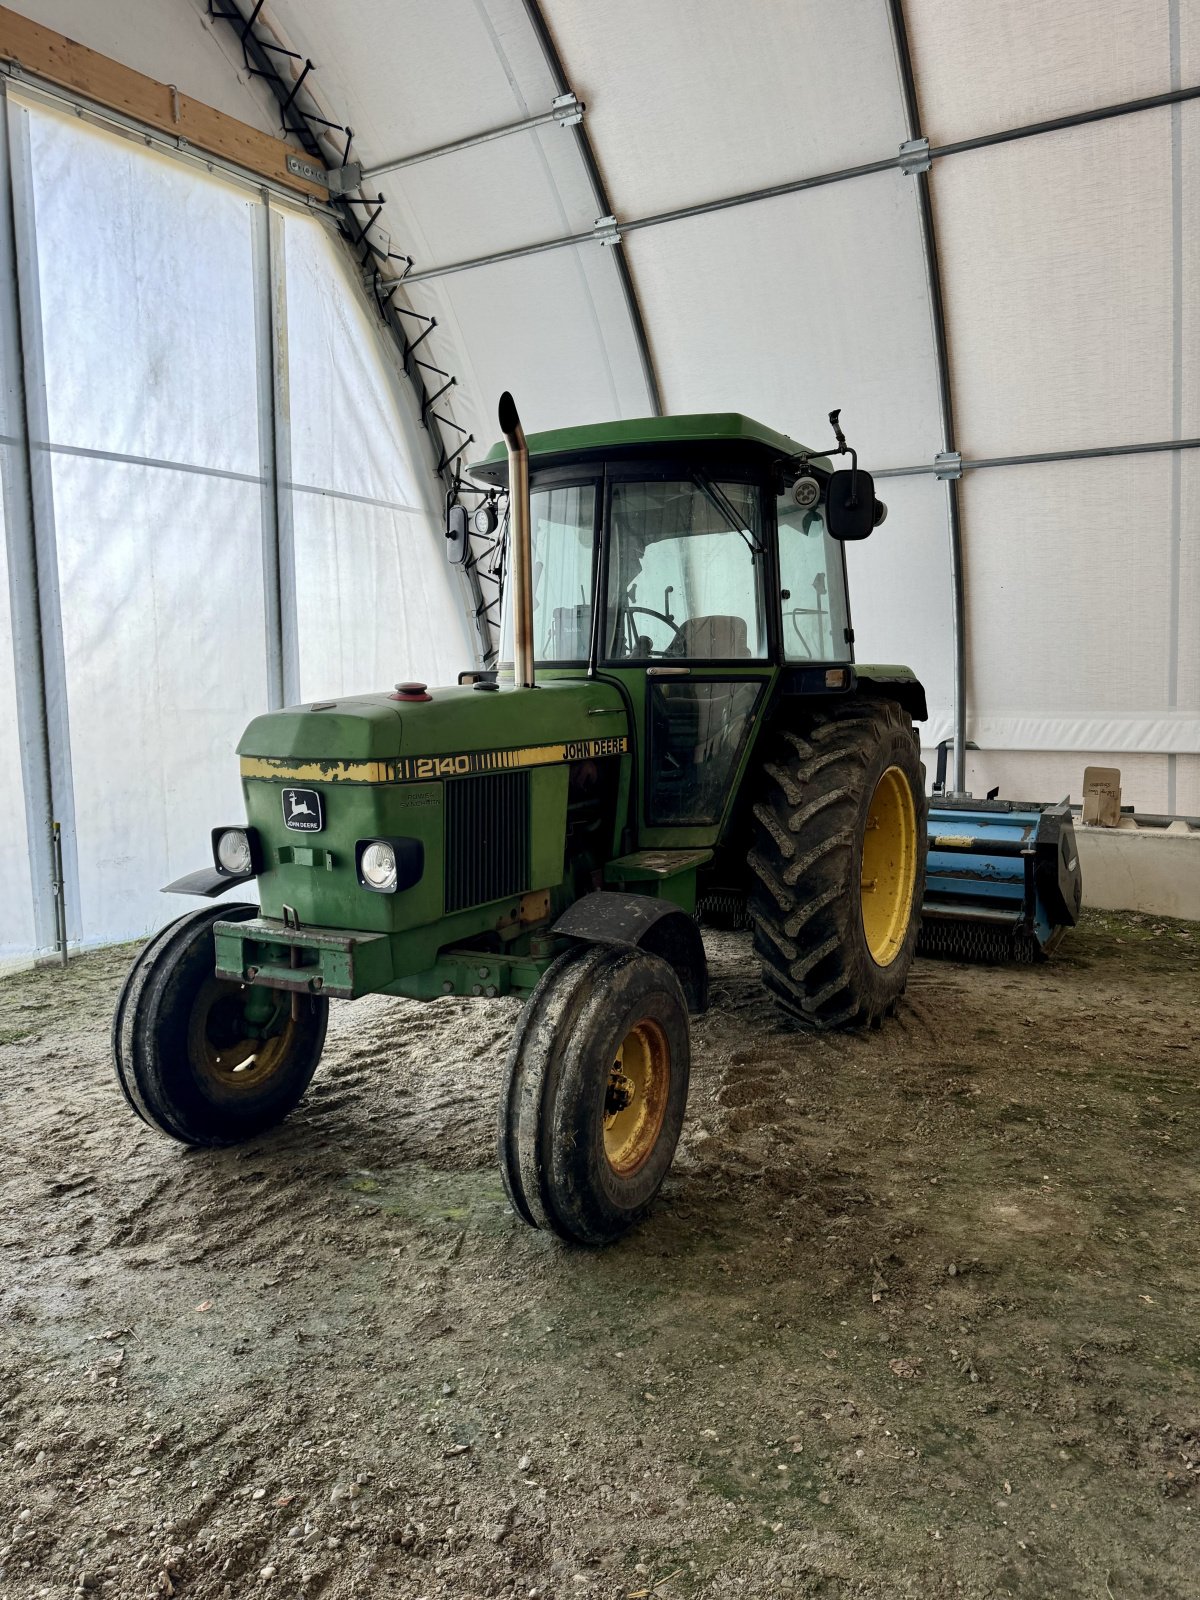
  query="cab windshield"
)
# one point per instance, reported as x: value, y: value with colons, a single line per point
x: 686, y: 571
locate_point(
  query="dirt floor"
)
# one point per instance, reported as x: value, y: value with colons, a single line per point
x: 917, y: 1314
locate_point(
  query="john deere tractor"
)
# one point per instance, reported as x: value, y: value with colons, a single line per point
x: 680, y: 724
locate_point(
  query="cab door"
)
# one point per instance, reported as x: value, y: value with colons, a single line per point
x: 689, y: 576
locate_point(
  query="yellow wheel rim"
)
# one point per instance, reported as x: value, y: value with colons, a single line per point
x: 222, y: 1050
x: 635, y: 1101
x: 889, y: 867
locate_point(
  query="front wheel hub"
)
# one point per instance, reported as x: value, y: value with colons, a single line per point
x: 635, y: 1101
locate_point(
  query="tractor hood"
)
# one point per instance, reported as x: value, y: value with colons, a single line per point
x: 452, y: 721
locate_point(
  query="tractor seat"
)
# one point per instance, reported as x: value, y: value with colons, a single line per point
x: 715, y: 638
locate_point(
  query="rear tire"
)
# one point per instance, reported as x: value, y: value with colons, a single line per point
x: 595, y: 1091
x: 838, y: 864
x: 184, y: 1058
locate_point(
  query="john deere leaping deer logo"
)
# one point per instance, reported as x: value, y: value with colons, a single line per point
x: 302, y: 810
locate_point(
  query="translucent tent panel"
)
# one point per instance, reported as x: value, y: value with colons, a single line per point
x: 1073, y: 615
x: 150, y: 349
x: 367, y: 518
x: 498, y: 196
x: 160, y: 574
x: 981, y: 68
x: 347, y: 430
x: 1056, y: 257
x: 409, y: 76
x: 901, y: 602
x: 1187, y: 604
x: 161, y: 582
x: 367, y: 607
x: 17, y: 932
x: 694, y: 103
x: 789, y: 307
x: 552, y: 328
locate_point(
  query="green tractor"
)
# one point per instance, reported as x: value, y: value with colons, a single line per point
x: 680, y: 727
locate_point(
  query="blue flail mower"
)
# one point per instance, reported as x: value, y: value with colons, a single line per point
x: 1003, y: 880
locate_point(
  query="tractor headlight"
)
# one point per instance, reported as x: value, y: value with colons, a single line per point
x: 377, y: 866
x: 386, y: 865
x: 233, y: 851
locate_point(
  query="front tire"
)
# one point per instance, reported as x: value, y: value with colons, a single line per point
x: 838, y: 864
x: 187, y: 1059
x: 595, y: 1091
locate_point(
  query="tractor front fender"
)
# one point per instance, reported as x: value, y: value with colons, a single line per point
x: 207, y: 882
x: 643, y: 923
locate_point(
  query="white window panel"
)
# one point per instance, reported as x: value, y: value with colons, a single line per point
x: 982, y: 68
x: 372, y: 600
x: 160, y: 575
x: 1056, y: 257
x: 147, y: 300
x: 789, y: 307
x: 695, y: 102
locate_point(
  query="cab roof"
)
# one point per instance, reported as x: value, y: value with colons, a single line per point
x: 599, y: 438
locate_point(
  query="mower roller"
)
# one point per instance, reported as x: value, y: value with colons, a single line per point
x: 1003, y: 881
x: 677, y: 714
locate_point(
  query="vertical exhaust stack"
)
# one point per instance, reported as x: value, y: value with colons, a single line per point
x: 521, y: 548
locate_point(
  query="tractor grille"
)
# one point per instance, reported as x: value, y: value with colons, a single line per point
x: 487, y: 838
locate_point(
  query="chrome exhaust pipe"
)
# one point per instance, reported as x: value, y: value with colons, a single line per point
x: 520, y: 542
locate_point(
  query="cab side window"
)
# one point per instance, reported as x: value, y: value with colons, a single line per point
x: 813, y: 581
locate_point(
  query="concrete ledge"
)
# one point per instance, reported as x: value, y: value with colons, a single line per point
x: 1141, y: 869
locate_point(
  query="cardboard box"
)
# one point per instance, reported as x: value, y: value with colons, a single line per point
x: 1102, y: 796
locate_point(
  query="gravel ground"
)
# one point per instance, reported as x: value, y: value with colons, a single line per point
x: 918, y: 1312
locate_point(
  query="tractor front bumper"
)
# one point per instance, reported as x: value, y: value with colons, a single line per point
x: 331, y: 961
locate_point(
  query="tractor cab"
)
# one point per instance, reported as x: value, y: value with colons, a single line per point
x: 676, y: 557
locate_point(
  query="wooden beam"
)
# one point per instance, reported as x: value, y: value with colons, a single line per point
x: 98, y: 78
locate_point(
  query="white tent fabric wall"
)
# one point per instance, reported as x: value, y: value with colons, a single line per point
x: 153, y: 384
x: 373, y: 596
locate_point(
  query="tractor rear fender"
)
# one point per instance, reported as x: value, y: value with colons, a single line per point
x: 644, y: 923
x: 893, y: 683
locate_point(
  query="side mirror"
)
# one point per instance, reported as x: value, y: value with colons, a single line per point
x: 457, y: 534
x: 848, y: 518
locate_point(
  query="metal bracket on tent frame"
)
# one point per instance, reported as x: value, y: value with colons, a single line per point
x: 565, y: 110
x: 914, y: 157
x: 607, y: 230
x: 338, y: 180
x: 947, y: 464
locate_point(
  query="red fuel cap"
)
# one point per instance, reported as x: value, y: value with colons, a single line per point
x: 411, y: 692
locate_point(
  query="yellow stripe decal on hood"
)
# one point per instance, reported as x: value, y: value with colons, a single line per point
x: 420, y: 769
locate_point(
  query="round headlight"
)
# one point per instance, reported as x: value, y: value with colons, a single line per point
x: 233, y: 851
x: 378, y: 866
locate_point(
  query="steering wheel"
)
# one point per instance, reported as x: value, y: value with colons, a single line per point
x: 649, y: 611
